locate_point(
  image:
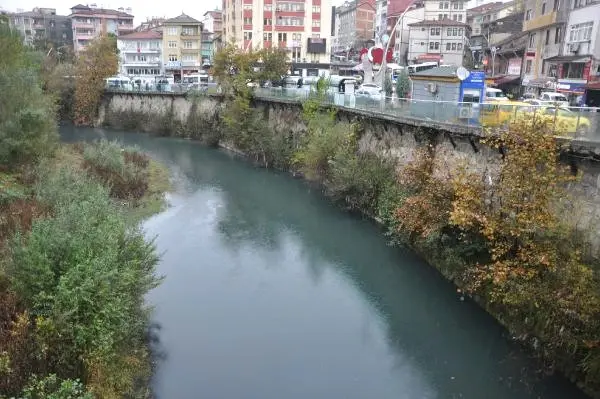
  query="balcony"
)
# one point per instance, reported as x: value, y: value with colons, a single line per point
x: 84, y: 36
x: 89, y: 25
x: 540, y: 22
x: 190, y: 63
x: 138, y: 63
x: 190, y: 50
x: 190, y: 36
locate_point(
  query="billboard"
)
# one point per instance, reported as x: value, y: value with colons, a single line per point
x: 514, y: 66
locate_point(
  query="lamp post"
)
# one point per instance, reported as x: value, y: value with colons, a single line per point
x: 383, y: 69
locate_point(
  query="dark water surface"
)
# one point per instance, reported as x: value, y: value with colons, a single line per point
x: 271, y: 292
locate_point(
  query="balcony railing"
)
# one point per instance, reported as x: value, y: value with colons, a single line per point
x: 141, y: 50
x: 539, y: 22
x: 136, y: 63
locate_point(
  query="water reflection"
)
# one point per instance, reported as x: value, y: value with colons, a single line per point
x: 272, y: 292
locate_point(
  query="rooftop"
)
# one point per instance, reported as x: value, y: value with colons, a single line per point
x: 86, y: 10
x: 489, y: 7
x: 441, y: 72
x: 148, y: 34
x: 182, y: 19
x: 439, y: 22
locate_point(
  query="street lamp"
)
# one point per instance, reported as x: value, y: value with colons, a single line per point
x: 383, y: 69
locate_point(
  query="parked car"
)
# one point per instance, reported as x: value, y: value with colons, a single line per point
x: 365, y: 93
x: 534, y: 101
x: 566, y: 120
x: 554, y: 98
x: 494, y: 95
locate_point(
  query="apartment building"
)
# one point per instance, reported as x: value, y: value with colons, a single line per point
x: 401, y: 39
x: 440, y: 40
x: 388, y: 13
x: 141, y: 54
x: 579, y: 61
x: 43, y: 27
x: 150, y: 23
x: 301, y: 27
x: 545, y: 22
x: 89, y: 22
x: 484, y: 28
x: 213, y: 21
x: 356, y: 24
x: 182, y: 45
x: 442, y: 35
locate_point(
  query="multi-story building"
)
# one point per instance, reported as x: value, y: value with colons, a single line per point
x: 301, y: 27
x: 150, y: 23
x: 544, y: 22
x: 356, y: 23
x: 443, y: 34
x: 213, y: 21
x: 440, y: 40
x: 90, y: 22
x: 485, y: 30
x: 141, y: 54
x: 580, y: 59
x: 381, y: 9
x: 409, y: 11
x: 206, y: 47
x: 43, y: 27
x: 182, y: 45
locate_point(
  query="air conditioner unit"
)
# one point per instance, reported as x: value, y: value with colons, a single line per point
x: 574, y: 47
x: 464, y: 112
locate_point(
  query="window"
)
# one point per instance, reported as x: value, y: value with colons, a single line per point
x: 247, y: 35
x: 532, y: 40
x: 455, y: 6
x: 454, y: 31
x: 445, y: 16
x: 557, y: 35
x: 172, y: 44
x: 478, y: 19
x: 435, y: 31
x: 282, y: 37
x: 449, y: 32
x: 268, y: 22
x: 172, y: 57
x: 187, y: 44
x: 455, y: 17
x: 188, y: 57
x: 188, y: 31
x: 268, y: 7
x: 543, y: 8
x: 460, y: 17
x: 248, y: 7
x: 437, y: 45
x: 460, y: 31
x: 447, y: 46
x: 316, y: 23
x: 172, y: 30
x: 453, y: 46
x: 460, y: 5
x: 556, y: 5
x: 440, y: 16
x: 316, y: 9
x: 267, y: 37
x: 247, y: 21
x: 431, y: 44
x: 446, y: 6
x: 441, y: 5
x: 459, y: 46
x: 528, y: 15
x: 547, y: 41
x: 581, y: 32
x: 528, y: 66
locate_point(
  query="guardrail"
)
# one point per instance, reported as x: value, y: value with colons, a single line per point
x: 574, y: 122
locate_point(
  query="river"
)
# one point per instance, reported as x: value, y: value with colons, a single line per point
x: 272, y: 292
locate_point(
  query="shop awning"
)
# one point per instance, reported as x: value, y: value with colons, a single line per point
x: 593, y: 86
x: 567, y: 58
x: 502, y: 80
x: 429, y: 57
x: 543, y: 83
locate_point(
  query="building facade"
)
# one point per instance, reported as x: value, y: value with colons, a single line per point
x: 182, y: 45
x: 401, y: 39
x: 356, y: 21
x: 89, y: 22
x: 301, y: 27
x: 141, y: 54
x: 580, y: 60
x: 43, y: 27
x: 441, y: 41
x: 545, y: 22
x: 213, y: 21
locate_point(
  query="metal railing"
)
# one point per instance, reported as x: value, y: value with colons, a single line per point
x: 582, y: 123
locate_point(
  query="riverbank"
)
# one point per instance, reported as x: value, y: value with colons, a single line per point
x: 75, y: 268
x: 542, y: 287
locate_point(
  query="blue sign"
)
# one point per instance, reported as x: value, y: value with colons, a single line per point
x: 173, y: 64
x: 475, y: 77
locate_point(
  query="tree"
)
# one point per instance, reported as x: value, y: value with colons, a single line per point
x: 98, y: 62
x: 388, y: 87
x: 402, y: 85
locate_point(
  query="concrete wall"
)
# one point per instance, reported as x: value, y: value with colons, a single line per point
x: 382, y: 136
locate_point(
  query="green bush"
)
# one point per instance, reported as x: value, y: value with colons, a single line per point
x: 50, y: 387
x: 83, y: 274
x: 124, y: 170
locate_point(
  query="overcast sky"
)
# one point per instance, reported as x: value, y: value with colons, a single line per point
x: 140, y: 8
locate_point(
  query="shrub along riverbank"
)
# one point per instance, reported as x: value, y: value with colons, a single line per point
x: 74, y: 266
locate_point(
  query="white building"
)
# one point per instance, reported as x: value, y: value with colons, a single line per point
x: 402, y: 41
x: 140, y: 54
x: 298, y: 26
x: 380, y: 19
x: 440, y: 41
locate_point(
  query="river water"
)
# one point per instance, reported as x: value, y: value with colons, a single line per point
x: 272, y: 292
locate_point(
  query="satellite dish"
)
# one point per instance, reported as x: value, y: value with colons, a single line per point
x: 385, y: 38
x: 462, y: 73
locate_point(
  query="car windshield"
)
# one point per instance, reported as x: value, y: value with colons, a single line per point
x: 496, y: 94
x: 558, y: 97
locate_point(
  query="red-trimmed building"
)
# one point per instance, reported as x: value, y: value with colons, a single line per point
x: 301, y: 27
x: 89, y: 22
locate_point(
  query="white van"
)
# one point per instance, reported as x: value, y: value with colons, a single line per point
x: 494, y: 95
x: 554, y: 98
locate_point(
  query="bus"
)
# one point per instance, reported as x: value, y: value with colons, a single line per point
x: 414, y: 68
